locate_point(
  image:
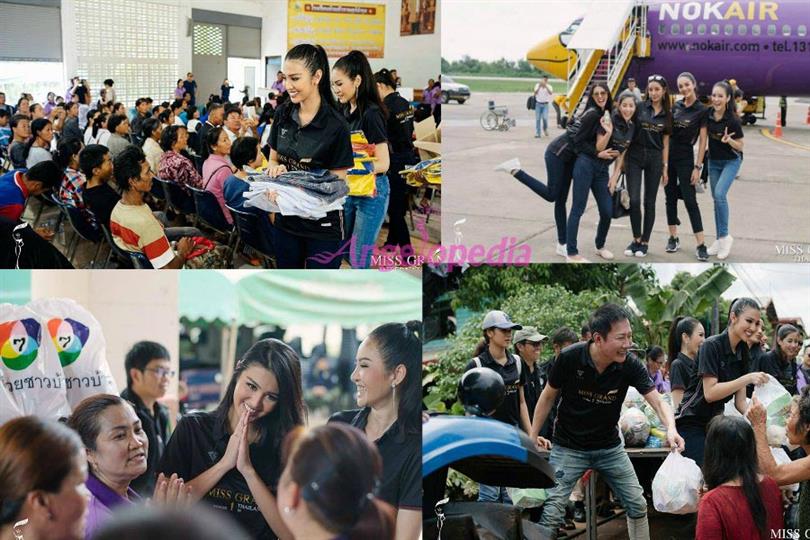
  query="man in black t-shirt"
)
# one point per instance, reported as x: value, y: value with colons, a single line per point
x: 592, y: 379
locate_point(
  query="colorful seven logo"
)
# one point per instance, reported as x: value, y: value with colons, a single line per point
x: 19, y: 343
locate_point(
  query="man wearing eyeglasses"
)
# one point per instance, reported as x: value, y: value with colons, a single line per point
x: 149, y: 372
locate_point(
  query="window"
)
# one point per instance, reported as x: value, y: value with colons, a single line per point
x: 139, y: 52
x: 755, y: 30
x: 771, y: 29
x: 688, y: 29
x: 802, y: 30
x: 742, y: 30
x: 208, y: 40
x: 702, y: 29
x: 662, y: 29
x: 786, y: 30
x: 728, y: 29
x: 676, y: 29
x: 715, y: 29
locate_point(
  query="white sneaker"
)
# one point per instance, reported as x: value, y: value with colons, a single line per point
x: 605, y: 254
x: 509, y: 166
x: 714, y: 248
x: 576, y: 259
x: 725, y: 247
x: 562, y: 251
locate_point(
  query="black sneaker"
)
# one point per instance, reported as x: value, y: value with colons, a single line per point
x: 579, y: 512
x: 702, y: 253
x: 673, y: 244
x: 641, y: 251
x: 631, y: 248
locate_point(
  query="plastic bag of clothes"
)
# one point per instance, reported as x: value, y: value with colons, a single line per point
x: 527, y: 497
x: 635, y: 427
x: 361, y: 178
x: 31, y: 371
x: 775, y: 399
x: 676, y: 486
x: 781, y: 457
x: 73, y: 335
x: 427, y: 173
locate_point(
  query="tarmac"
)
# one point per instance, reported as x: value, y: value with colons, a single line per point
x: 768, y: 202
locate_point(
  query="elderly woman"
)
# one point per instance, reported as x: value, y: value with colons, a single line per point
x: 174, y: 165
x: 116, y: 447
x: 42, y: 475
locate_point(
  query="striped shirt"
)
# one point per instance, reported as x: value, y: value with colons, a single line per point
x: 135, y: 228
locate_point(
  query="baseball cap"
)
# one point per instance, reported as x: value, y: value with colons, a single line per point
x: 499, y: 319
x: 528, y: 333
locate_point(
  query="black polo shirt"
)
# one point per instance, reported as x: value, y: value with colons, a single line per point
x: 651, y: 128
x: 680, y: 373
x: 197, y: 444
x: 324, y: 143
x: 156, y: 425
x: 716, y: 359
x: 543, y: 371
x: 686, y: 124
x: 622, y: 135
x: 509, y: 410
x: 587, y: 127
x: 591, y: 402
x: 533, y: 382
x: 371, y: 122
x: 783, y: 371
x: 401, y: 452
x: 718, y: 150
x: 399, y: 127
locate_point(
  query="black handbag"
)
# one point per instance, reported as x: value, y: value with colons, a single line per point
x: 531, y: 102
x: 621, y: 199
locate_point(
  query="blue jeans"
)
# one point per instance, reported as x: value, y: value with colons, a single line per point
x: 493, y: 494
x: 569, y: 466
x: 590, y: 174
x: 364, y: 218
x: 540, y: 115
x: 559, y: 174
x: 721, y: 175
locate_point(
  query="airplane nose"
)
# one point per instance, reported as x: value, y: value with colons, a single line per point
x: 550, y: 56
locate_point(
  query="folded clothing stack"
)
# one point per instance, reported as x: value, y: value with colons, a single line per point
x: 361, y: 178
x: 308, y: 194
x: 426, y: 173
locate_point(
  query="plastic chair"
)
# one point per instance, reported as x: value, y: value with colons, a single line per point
x: 249, y: 234
x: 134, y: 258
x: 177, y: 198
x: 81, y: 230
x: 208, y: 211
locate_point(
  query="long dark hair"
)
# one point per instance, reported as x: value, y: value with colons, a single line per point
x: 730, y: 106
x: 314, y: 58
x: 97, y: 121
x: 666, y: 101
x: 680, y: 326
x: 731, y: 454
x: 783, y: 331
x: 278, y: 358
x: 211, y: 138
x: 337, y: 468
x: 36, y: 126
x: 66, y: 149
x: 353, y: 64
x: 384, y: 77
x: 402, y: 344
x: 592, y: 102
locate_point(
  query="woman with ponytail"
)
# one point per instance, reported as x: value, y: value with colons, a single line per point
x: 780, y: 361
x: 388, y: 379
x: 327, y: 489
x: 741, y: 503
x: 685, y: 337
x: 38, y: 147
x: 100, y: 132
x: 308, y: 133
x: 363, y: 109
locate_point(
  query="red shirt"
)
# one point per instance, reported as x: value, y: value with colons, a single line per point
x: 723, y: 513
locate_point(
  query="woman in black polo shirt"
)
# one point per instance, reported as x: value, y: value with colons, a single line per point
x: 363, y: 109
x: 399, y: 130
x: 688, y: 126
x: 233, y: 455
x: 725, y: 158
x: 723, y: 371
x: 388, y: 379
x: 781, y: 360
x: 648, y: 156
x: 685, y: 337
x: 309, y: 133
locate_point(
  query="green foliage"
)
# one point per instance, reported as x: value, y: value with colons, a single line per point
x: 500, y: 67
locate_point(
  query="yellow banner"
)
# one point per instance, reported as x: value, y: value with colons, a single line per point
x: 339, y: 27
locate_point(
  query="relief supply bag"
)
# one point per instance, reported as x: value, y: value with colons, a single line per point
x: 775, y: 399
x: 32, y: 374
x: 75, y: 338
x: 676, y: 486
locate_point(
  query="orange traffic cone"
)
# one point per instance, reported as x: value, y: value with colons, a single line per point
x: 808, y: 115
x: 777, y: 132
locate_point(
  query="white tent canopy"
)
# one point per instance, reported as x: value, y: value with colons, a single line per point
x: 602, y: 24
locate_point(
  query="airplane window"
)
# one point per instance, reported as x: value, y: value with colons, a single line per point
x: 676, y: 29
x: 715, y: 30
x: 771, y: 29
x: 662, y: 29
x: 702, y: 29
x: 786, y: 30
x: 802, y: 30
x: 688, y: 29
x: 742, y: 29
x: 755, y: 30
x: 729, y: 29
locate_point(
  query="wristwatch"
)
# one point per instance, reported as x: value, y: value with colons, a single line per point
x: 699, y: 167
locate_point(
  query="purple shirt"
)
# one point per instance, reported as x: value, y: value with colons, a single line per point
x: 660, y: 384
x: 278, y: 86
x: 103, y: 501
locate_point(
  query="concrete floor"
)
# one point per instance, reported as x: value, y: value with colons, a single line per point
x: 768, y: 202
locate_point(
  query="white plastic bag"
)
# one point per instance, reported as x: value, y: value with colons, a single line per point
x: 781, y: 458
x: 527, y: 497
x: 730, y: 409
x: 676, y: 486
x: 76, y: 338
x: 775, y: 399
x: 634, y: 427
x: 32, y: 376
